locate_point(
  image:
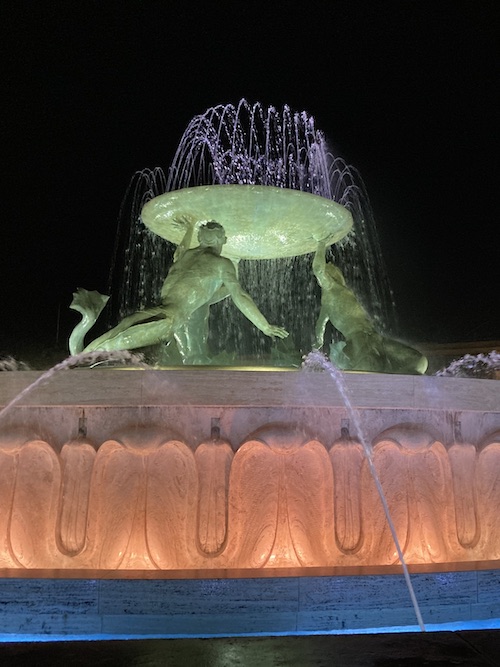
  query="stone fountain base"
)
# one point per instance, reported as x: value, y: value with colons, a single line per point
x: 195, y: 480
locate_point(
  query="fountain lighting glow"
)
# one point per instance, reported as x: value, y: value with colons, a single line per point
x: 280, y: 488
x: 485, y: 624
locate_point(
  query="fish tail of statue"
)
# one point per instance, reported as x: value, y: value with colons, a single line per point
x: 89, y: 305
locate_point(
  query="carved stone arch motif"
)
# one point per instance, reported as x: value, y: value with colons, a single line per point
x: 281, y: 500
x: 414, y: 473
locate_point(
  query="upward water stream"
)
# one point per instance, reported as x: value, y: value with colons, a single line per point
x: 316, y: 360
x: 85, y: 358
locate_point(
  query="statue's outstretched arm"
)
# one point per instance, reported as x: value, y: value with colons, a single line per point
x: 244, y: 302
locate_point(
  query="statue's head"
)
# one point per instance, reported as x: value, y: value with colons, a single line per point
x: 212, y: 234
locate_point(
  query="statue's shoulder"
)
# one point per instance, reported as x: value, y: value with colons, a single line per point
x: 224, y: 261
x: 226, y: 266
x: 216, y: 262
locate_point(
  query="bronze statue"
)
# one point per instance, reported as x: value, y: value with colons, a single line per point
x: 198, y: 278
x: 365, y: 348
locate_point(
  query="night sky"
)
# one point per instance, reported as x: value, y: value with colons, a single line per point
x: 94, y: 91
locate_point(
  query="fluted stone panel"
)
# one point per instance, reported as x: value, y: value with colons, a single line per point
x: 276, y: 502
x: 141, y: 492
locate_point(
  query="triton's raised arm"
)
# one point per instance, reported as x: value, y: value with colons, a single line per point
x: 319, y: 263
x: 187, y: 223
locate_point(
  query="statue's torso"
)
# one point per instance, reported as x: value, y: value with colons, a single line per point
x: 194, y: 279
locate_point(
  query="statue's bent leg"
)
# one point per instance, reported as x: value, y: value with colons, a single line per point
x: 124, y: 325
x: 140, y: 335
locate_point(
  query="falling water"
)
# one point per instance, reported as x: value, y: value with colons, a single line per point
x: 249, y: 144
x: 316, y: 360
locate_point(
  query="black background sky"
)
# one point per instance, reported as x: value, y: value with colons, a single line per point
x: 95, y: 90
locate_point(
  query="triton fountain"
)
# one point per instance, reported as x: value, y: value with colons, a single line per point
x: 216, y: 482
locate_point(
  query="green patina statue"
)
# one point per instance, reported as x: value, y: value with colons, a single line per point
x: 365, y: 349
x: 198, y: 278
x: 262, y: 222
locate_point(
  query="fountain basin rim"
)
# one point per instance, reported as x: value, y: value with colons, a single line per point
x: 232, y: 388
x: 189, y: 368
x: 209, y: 367
x: 249, y: 573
